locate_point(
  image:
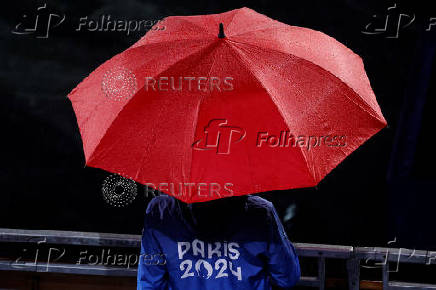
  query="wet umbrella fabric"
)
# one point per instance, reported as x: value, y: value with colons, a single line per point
x: 210, y: 106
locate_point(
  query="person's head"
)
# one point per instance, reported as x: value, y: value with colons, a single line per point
x: 213, y: 217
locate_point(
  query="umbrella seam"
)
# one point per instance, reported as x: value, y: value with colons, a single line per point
x: 72, y: 94
x: 184, y: 18
x: 316, y: 174
x: 237, y: 11
x: 133, y: 47
x: 368, y: 110
x: 167, y: 68
x: 262, y: 29
x: 310, y: 171
x: 198, y: 52
x: 196, y: 118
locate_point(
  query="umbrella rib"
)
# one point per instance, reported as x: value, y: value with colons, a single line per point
x: 145, y: 45
x: 160, y: 112
x: 196, y: 118
x: 157, y: 73
x: 246, y: 144
x: 71, y: 95
x: 264, y: 29
x: 186, y: 19
x: 233, y: 17
x: 368, y: 110
x: 147, y: 36
x: 316, y: 175
x: 259, y: 29
x: 246, y: 65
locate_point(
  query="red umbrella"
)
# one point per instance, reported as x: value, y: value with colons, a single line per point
x: 211, y: 106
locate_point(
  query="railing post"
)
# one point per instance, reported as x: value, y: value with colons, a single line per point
x: 353, y: 270
x: 321, y: 273
x: 385, y: 270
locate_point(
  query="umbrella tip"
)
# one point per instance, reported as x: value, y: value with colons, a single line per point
x: 221, y: 33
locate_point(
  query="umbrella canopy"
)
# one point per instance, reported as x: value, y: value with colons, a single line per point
x: 212, y: 106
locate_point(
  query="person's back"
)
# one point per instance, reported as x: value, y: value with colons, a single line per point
x: 234, y: 243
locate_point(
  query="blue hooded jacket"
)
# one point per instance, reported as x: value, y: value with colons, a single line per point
x: 238, y: 245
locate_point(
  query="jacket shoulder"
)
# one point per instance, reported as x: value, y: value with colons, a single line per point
x: 259, y: 207
x: 256, y: 202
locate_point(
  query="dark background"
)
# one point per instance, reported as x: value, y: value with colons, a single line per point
x: 385, y: 190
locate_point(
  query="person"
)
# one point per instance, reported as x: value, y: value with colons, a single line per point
x: 232, y: 243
